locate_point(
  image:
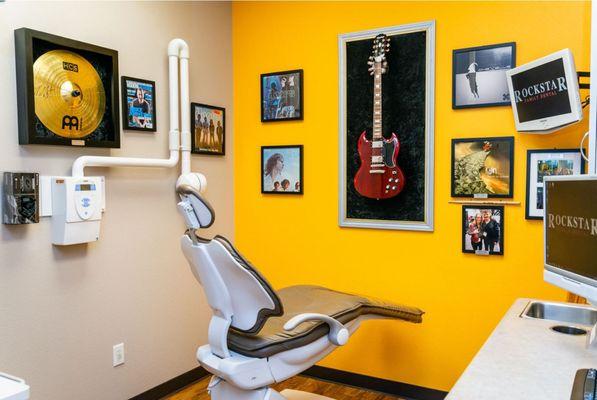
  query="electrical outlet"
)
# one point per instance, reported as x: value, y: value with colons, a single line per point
x: 118, y: 354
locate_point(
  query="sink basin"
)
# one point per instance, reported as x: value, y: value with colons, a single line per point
x: 572, y: 314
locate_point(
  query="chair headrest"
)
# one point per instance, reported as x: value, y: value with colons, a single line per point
x: 197, y: 211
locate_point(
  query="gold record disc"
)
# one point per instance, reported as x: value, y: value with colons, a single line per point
x: 69, y: 95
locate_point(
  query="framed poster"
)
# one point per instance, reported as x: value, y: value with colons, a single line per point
x: 138, y: 104
x: 67, y: 91
x: 282, y: 96
x: 483, y: 230
x: 483, y: 167
x: 548, y: 162
x: 386, y: 127
x: 282, y: 169
x: 208, y: 129
x: 479, y: 75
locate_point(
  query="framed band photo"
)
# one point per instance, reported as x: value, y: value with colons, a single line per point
x: 138, y: 103
x: 282, y: 169
x: 483, y: 167
x: 483, y: 230
x: 479, y: 75
x: 282, y: 96
x: 208, y: 129
x: 548, y: 162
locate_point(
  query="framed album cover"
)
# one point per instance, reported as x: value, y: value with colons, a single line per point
x: 208, y: 128
x: 548, y: 162
x: 479, y: 75
x: 483, y: 167
x: 386, y: 131
x: 282, y: 169
x: 67, y: 91
x: 483, y: 229
x: 282, y: 96
x: 138, y: 104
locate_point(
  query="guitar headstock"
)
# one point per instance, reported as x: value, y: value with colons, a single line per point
x: 381, y: 46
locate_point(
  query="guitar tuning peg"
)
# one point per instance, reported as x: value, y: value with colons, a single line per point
x: 383, y: 70
x: 370, y: 62
x: 385, y: 64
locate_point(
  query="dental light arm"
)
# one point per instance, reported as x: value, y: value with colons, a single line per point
x: 338, y: 333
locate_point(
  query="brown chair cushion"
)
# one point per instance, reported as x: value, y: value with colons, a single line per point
x: 344, y: 307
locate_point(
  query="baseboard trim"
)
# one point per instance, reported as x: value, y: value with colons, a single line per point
x: 172, y: 385
x: 393, y: 388
x: 400, y: 389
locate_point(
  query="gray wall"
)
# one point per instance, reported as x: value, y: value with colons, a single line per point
x: 62, y: 309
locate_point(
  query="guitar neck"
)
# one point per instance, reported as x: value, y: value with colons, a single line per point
x: 377, y: 133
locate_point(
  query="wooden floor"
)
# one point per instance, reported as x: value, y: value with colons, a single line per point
x: 198, y: 390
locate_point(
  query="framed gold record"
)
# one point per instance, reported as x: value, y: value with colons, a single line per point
x: 67, y: 91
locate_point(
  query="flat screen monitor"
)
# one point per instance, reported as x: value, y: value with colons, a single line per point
x: 570, y: 227
x: 545, y: 93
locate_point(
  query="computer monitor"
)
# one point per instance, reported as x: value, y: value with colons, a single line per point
x: 570, y: 227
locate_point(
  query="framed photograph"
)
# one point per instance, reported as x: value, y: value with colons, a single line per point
x: 138, y: 104
x: 282, y: 96
x: 67, y: 91
x: 479, y: 75
x: 282, y: 169
x: 548, y: 162
x: 208, y: 129
x: 483, y: 167
x: 483, y: 230
x: 386, y: 131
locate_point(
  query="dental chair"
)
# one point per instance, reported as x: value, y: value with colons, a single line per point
x: 259, y: 336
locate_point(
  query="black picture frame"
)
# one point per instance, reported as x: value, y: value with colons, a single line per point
x: 301, y: 115
x: 26, y: 42
x: 528, y: 214
x: 221, y: 149
x: 509, y: 140
x: 301, y: 175
x: 457, y: 52
x: 465, y: 225
x: 125, y: 105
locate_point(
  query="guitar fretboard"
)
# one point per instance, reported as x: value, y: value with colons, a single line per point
x: 377, y: 133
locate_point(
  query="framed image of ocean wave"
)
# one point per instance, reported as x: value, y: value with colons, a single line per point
x: 479, y: 75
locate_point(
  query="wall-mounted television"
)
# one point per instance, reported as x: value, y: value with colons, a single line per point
x: 544, y: 93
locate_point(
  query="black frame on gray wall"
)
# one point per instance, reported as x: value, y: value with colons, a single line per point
x: 24, y: 38
x: 471, y: 49
x: 125, y: 109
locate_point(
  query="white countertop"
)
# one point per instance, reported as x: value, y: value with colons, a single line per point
x: 524, y: 359
x: 12, y: 388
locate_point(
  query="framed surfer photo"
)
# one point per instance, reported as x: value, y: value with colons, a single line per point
x: 282, y: 169
x: 282, y: 96
x: 386, y: 128
x: 479, y: 75
x: 208, y: 129
x: 138, y: 103
x: 483, y: 167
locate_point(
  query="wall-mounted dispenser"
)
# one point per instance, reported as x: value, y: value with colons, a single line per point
x: 20, y: 198
x: 76, y: 209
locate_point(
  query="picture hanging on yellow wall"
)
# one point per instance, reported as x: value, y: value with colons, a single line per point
x: 386, y: 127
x: 483, y: 230
x: 483, y: 167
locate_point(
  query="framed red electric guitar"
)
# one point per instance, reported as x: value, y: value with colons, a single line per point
x: 379, y: 176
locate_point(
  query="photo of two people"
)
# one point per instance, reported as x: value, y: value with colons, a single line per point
x: 483, y: 230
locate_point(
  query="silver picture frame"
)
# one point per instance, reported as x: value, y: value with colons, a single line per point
x: 427, y: 225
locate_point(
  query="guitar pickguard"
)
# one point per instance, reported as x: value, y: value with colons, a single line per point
x: 388, y: 153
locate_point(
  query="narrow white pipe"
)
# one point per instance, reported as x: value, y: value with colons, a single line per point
x: 185, y: 138
x: 177, y: 50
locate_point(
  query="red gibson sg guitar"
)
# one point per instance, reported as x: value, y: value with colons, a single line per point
x: 379, y: 177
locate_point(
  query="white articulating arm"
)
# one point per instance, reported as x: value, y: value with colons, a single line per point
x: 338, y: 333
x: 178, y: 55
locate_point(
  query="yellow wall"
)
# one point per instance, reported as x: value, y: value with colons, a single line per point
x: 296, y: 239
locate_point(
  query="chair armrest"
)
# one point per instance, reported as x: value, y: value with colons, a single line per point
x: 338, y: 333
